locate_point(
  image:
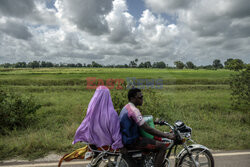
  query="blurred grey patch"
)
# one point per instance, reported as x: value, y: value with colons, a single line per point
x: 159, y: 84
x: 144, y: 83
x: 150, y: 83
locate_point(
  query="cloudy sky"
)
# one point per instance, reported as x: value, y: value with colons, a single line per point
x: 118, y: 31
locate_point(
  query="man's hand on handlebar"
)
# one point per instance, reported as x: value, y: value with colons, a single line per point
x: 170, y: 136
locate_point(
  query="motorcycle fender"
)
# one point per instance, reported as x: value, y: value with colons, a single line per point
x: 191, y: 147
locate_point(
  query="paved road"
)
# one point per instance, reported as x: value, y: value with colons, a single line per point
x: 222, y: 159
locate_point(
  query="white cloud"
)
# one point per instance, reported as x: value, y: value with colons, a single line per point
x: 87, y: 15
x: 121, y: 23
x: 209, y: 29
x: 105, y: 32
x: 155, y: 30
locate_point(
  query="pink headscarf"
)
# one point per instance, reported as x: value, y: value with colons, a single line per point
x: 101, y: 126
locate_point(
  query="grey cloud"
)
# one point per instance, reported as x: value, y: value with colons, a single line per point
x: 118, y: 50
x: 168, y: 6
x: 222, y: 26
x: 239, y: 8
x: 93, y: 56
x: 72, y: 41
x: 214, y: 41
x: 88, y: 15
x: 16, y: 30
x: 213, y: 28
x: 82, y: 55
x: 121, y: 35
x: 16, y: 8
x: 178, y: 4
x: 231, y: 45
x: 27, y: 10
x: 227, y: 19
x: 240, y: 29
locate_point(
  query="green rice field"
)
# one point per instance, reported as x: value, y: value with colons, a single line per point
x: 200, y: 98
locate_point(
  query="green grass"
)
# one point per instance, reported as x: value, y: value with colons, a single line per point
x: 204, y: 106
x: 55, y: 128
x: 77, y: 76
x: 210, y: 115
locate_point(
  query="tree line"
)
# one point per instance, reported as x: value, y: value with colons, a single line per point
x: 232, y: 64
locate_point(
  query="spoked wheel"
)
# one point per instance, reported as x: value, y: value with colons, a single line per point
x: 202, y: 158
x: 111, y: 162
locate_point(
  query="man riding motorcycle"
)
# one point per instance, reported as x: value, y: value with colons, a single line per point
x: 131, y: 120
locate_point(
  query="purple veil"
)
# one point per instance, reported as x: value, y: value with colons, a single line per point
x: 101, y: 126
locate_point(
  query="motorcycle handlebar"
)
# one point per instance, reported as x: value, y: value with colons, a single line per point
x: 174, y: 129
x: 161, y: 123
x: 178, y: 139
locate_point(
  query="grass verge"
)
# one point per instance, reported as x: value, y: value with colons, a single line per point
x: 204, y: 109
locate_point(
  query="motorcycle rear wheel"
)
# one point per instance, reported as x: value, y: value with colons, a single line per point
x: 202, y: 157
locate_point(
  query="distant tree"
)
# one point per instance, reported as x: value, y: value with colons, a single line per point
x: 78, y: 65
x: 154, y: 65
x: 217, y: 64
x: 63, y: 65
x: 136, y: 60
x: 132, y: 64
x: 179, y: 64
x: 226, y: 63
x: 49, y: 64
x: 235, y: 64
x: 7, y: 65
x: 94, y: 64
x: 46, y: 64
x: 160, y: 64
x: 190, y: 65
x: 142, y: 65
x: 43, y: 64
x: 20, y: 65
x: 34, y: 64
x: 147, y: 64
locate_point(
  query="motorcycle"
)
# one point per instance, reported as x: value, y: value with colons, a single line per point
x: 194, y: 155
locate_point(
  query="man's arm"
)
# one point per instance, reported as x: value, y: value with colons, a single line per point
x: 156, y: 132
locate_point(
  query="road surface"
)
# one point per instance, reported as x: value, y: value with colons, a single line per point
x: 222, y: 159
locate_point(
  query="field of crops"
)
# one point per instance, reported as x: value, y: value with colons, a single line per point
x: 201, y: 98
x: 77, y: 76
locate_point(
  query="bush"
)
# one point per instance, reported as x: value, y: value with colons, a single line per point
x: 240, y: 86
x: 119, y: 98
x: 234, y: 64
x: 16, y: 111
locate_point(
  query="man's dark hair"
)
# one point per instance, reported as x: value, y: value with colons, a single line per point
x: 132, y: 93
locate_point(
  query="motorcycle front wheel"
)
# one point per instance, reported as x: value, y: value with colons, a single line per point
x: 203, y: 158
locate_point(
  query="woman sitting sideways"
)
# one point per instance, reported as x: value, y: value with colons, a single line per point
x: 101, y: 126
